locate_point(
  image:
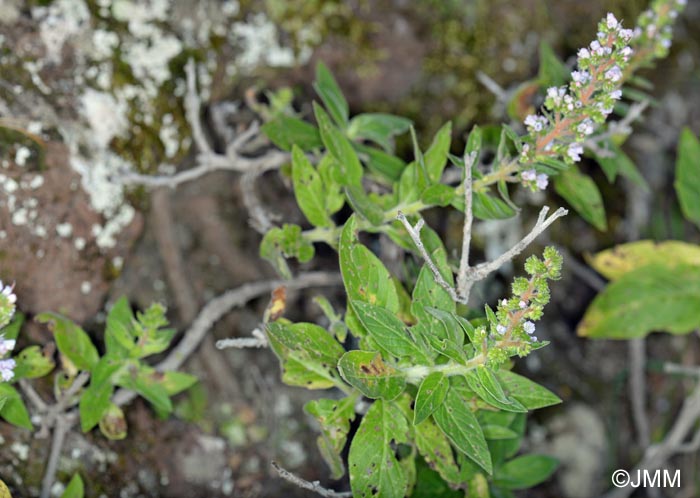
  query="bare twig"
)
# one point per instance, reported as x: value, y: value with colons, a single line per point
x: 657, y: 455
x: 493, y: 87
x: 622, y: 127
x: 414, y: 232
x: 257, y: 340
x: 33, y: 396
x: 637, y: 352
x: 61, y: 428
x: 259, y: 219
x: 192, y: 109
x: 674, y: 368
x: 215, y: 309
x: 480, y: 271
x: 54, y: 412
x: 208, y: 164
x: 462, y: 276
x: 314, y: 486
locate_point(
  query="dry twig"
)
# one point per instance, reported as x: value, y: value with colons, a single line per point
x: 314, y: 486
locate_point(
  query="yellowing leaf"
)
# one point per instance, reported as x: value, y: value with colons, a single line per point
x: 616, y: 262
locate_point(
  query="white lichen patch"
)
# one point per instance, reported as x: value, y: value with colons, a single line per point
x: 60, y: 21
x: 64, y: 230
x: 21, y: 155
x: 105, y: 115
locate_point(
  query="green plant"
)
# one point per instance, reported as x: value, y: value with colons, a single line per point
x: 440, y: 382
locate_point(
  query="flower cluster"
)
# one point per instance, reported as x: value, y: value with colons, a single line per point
x: 513, y: 324
x: 654, y: 30
x: 572, y: 113
x: 7, y: 303
x: 7, y: 311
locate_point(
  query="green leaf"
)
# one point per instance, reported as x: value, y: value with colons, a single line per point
x: 531, y: 395
x: 13, y: 409
x: 11, y: 330
x: 688, y: 176
x: 485, y: 207
x: 433, y: 445
x: 390, y: 333
x: 583, y: 195
x: 487, y: 387
x: 94, y: 401
x: 386, y: 165
x: 329, y: 91
x: 308, y: 354
x: 525, y: 471
x: 285, y: 131
x: 119, y: 338
x: 621, y: 259
x: 147, y: 382
x: 334, y: 417
x: 71, y: 340
x: 308, y: 190
x: 113, y: 423
x: 176, y: 382
x: 32, y: 363
x: 431, y: 394
x: 374, y: 469
x: 377, y: 127
x: 340, y: 148
x: 436, y: 155
x: 363, y: 205
x: 364, y: 275
x: 329, y: 169
x: 289, y: 242
x: 474, y: 142
x: 553, y: 72
x: 619, y: 162
x: 366, y: 371
x: 492, y: 432
x: 656, y: 297
x: 74, y: 488
x: 460, y: 425
x: 438, y: 195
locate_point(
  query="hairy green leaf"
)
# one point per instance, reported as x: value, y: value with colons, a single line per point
x: 525, y: 471
x: 308, y: 190
x: 285, y: 131
x: 583, y: 195
x: 331, y: 95
x: 460, y: 425
x: 375, y: 471
x: 431, y: 394
x: 72, y: 341
x: 688, y: 176
x: 366, y: 371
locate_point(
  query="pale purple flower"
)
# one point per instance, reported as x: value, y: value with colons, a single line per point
x: 533, y: 338
x: 581, y: 77
x: 611, y: 21
x: 542, y: 181
x: 529, y: 327
x: 522, y: 305
x: 616, y: 94
x: 596, y: 48
x: 7, y: 368
x: 504, y: 302
x: 574, y: 151
x: 584, y: 54
x: 536, y: 123
x: 626, y: 34
x: 666, y: 43
x: 529, y: 175
x: 585, y: 127
x: 626, y: 53
x: 7, y: 291
x: 613, y: 74
x: 501, y: 329
x: 6, y: 345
